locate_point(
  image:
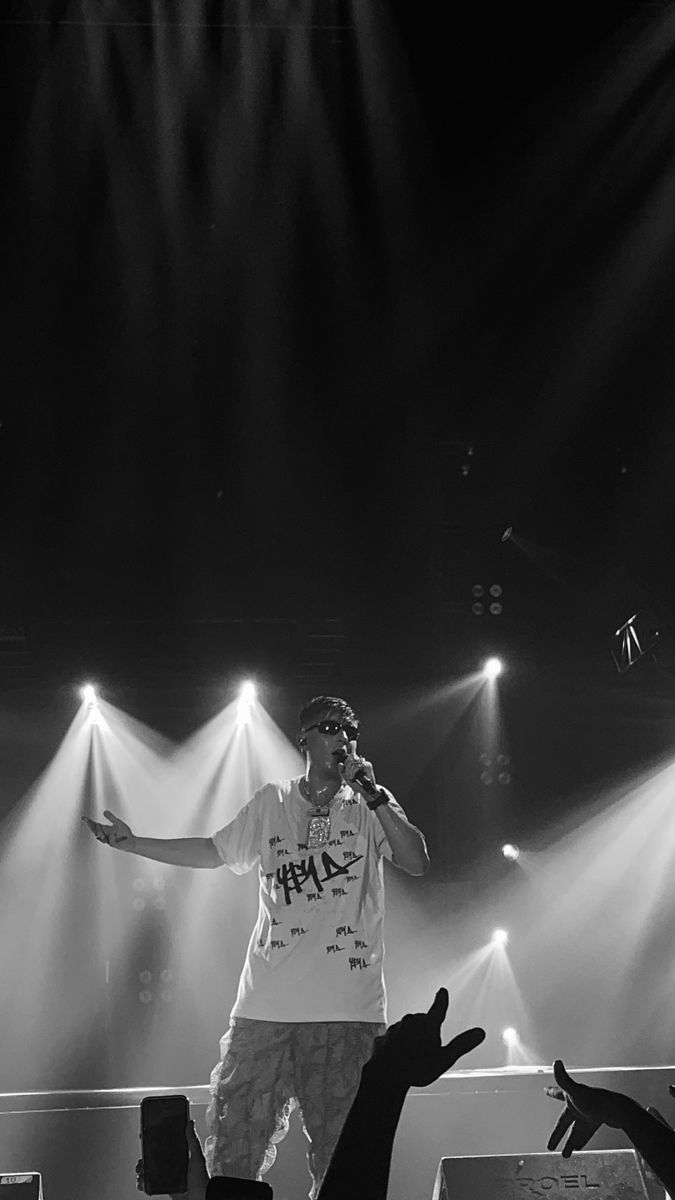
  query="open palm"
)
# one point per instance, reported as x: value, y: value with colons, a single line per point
x: 586, y: 1109
x: 117, y: 833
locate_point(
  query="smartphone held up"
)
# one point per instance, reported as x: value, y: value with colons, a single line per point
x: 164, y: 1147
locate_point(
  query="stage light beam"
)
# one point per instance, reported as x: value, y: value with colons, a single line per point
x: 89, y: 696
x: 510, y: 1037
x: 500, y: 937
x: 245, y: 702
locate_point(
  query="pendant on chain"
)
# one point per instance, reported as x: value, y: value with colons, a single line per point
x: 318, y: 830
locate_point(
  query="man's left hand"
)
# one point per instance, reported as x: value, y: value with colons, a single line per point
x: 349, y: 766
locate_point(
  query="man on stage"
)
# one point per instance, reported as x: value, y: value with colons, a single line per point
x: 311, y: 996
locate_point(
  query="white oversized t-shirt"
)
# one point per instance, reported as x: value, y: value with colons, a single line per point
x: 316, y: 950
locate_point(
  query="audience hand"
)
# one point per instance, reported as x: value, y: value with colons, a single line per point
x: 412, y: 1051
x: 197, y: 1174
x: 117, y: 834
x: 586, y: 1109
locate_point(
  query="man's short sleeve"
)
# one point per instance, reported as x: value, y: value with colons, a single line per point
x: 239, y: 842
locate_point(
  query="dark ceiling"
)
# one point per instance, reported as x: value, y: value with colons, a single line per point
x: 304, y: 304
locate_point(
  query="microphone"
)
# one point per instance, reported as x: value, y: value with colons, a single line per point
x: 360, y: 776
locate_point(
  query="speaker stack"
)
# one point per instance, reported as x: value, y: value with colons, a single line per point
x: 596, y: 1174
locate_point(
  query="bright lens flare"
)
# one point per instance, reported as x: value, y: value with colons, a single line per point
x: 511, y: 851
x: 500, y: 937
x: 88, y: 694
x: 492, y: 668
x: 510, y: 1037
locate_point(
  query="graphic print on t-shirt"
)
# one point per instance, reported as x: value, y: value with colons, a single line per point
x: 316, y: 951
x: 293, y: 876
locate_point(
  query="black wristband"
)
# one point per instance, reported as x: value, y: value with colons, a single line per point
x: 376, y: 801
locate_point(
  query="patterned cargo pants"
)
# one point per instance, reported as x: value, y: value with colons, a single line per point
x: 266, y: 1069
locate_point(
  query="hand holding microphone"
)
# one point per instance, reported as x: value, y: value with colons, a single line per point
x: 358, y: 773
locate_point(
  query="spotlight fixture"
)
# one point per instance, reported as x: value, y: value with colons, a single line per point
x: 511, y: 851
x: 500, y: 937
x: 492, y: 668
x: 510, y: 1037
x: 88, y: 694
x: 507, y: 534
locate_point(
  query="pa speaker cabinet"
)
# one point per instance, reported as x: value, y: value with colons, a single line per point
x: 27, y: 1186
x: 588, y: 1175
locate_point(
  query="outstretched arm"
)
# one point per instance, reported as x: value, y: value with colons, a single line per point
x: 587, y: 1108
x: 179, y: 852
x: 410, y: 1053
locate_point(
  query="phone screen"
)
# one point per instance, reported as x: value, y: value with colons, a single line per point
x: 164, y: 1145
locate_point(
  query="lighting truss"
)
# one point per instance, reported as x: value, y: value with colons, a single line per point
x: 635, y: 638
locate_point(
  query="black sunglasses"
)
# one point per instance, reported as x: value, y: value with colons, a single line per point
x: 330, y: 728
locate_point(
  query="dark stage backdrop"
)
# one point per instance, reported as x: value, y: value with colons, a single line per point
x: 304, y: 304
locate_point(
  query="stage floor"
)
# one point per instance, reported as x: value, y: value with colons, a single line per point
x: 86, y: 1143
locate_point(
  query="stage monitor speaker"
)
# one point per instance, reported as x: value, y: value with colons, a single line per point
x: 26, y: 1186
x: 600, y: 1174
